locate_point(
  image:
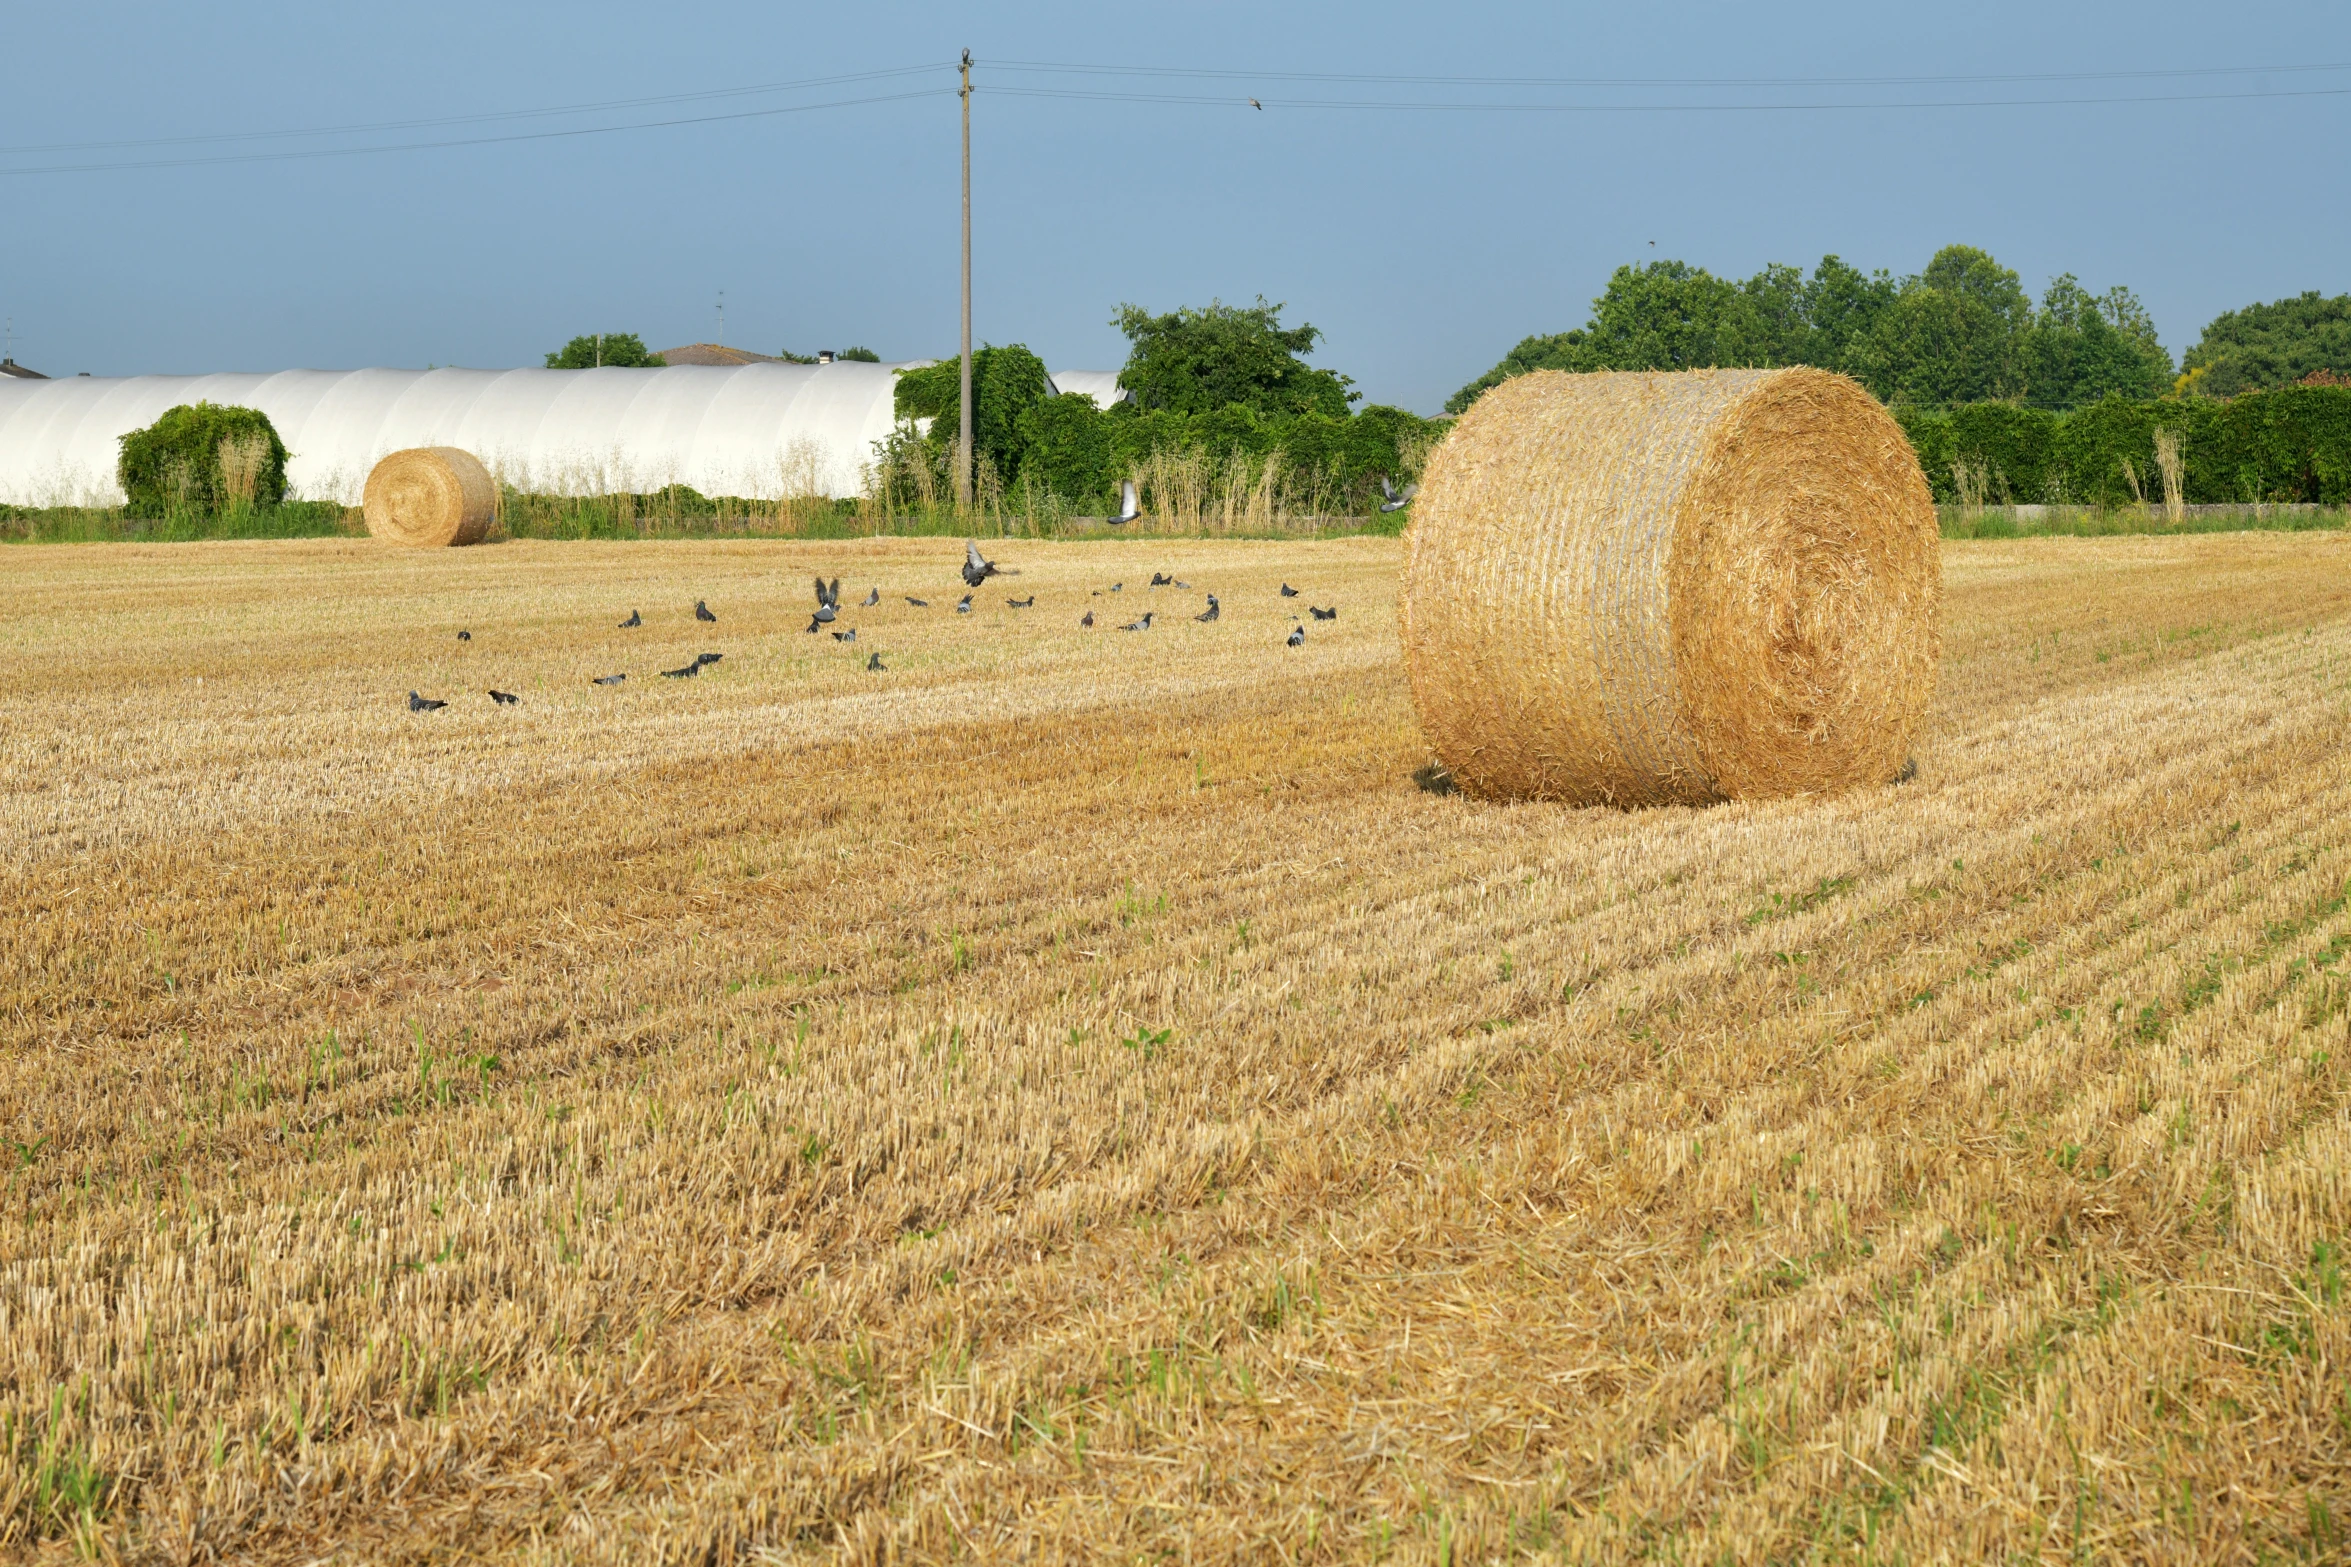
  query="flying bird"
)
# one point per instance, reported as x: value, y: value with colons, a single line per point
x: 871, y: 599
x: 1020, y: 603
x: 828, y: 597
x: 686, y: 672
x: 1289, y: 592
x: 1160, y: 579
x: 610, y: 680
x: 1323, y: 614
x: 634, y: 619
x: 1128, y: 508
x: 977, y: 568
x: 919, y: 603
x: 875, y: 662
x: 702, y: 612
x: 963, y: 605
x: 422, y: 704
x: 465, y: 636
x: 1397, y: 499
x: 1141, y: 625
x: 1297, y: 636
x: 849, y: 635
x: 1259, y: 107
x: 504, y: 698
x: 1210, y: 613
x: 1089, y: 620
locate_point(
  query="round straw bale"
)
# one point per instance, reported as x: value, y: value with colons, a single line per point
x: 430, y: 496
x: 1648, y: 588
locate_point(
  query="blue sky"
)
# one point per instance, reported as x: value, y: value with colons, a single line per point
x: 1422, y: 242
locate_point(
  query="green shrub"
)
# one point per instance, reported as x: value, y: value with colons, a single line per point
x: 2289, y: 445
x: 201, y: 459
x: 1066, y: 449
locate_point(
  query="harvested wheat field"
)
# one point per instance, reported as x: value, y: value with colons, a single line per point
x: 1073, y: 1095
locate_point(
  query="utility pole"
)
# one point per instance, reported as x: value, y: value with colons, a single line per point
x: 963, y: 462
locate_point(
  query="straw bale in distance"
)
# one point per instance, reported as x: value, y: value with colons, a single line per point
x: 430, y: 496
x: 1647, y: 588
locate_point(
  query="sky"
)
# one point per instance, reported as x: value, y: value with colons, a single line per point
x: 1422, y: 241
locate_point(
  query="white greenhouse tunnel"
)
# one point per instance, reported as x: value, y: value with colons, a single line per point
x: 761, y: 431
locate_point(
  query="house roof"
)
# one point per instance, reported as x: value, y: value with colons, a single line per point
x: 714, y: 354
x: 11, y: 367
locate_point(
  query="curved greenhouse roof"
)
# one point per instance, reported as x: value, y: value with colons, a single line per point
x: 763, y: 430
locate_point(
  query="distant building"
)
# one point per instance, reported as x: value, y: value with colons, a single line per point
x: 713, y: 354
x: 11, y: 367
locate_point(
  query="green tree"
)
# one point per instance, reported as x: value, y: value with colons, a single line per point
x: 2084, y: 346
x: 1194, y: 360
x: 1669, y: 315
x: 1005, y: 384
x: 2262, y: 347
x: 624, y: 349
x: 861, y: 355
x: 1953, y: 334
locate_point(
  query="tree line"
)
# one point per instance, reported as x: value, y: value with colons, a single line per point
x: 1962, y: 331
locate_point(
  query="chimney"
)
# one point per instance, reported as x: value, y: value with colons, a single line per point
x: 824, y: 356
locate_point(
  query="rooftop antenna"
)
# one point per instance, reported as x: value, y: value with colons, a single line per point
x: 722, y: 318
x: 8, y: 341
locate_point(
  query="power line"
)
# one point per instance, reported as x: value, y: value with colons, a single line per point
x: 378, y: 127
x: 1657, y: 81
x: 1229, y: 102
x: 473, y: 141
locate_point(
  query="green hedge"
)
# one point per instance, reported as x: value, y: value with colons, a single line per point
x: 2288, y: 445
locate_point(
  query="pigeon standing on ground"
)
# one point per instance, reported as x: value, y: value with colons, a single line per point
x: 849, y: 635
x: 465, y: 636
x: 815, y: 623
x: 702, y: 612
x: 1089, y: 620
x: 504, y: 698
x: 1020, y: 603
x: 634, y: 620
x: 1160, y: 579
x: 963, y: 605
x: 1128, y: 510
x: 871, y: 599
x: 875, y: 662
x: 708, y: 658
x: 1210, y: 613
x: 1323, y: 614
x: 1141, y: 625
x: 977, y: 568
x: 686, y: 672
x: 1297, y: 636
x: 1289, y: 592
x: 1118, y: 587
x: 609, y: 680
x: 422, y: 704
x: 1186, y: 586
x: 1397, y: 499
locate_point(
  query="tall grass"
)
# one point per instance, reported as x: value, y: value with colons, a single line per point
x: 2091, y: 522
